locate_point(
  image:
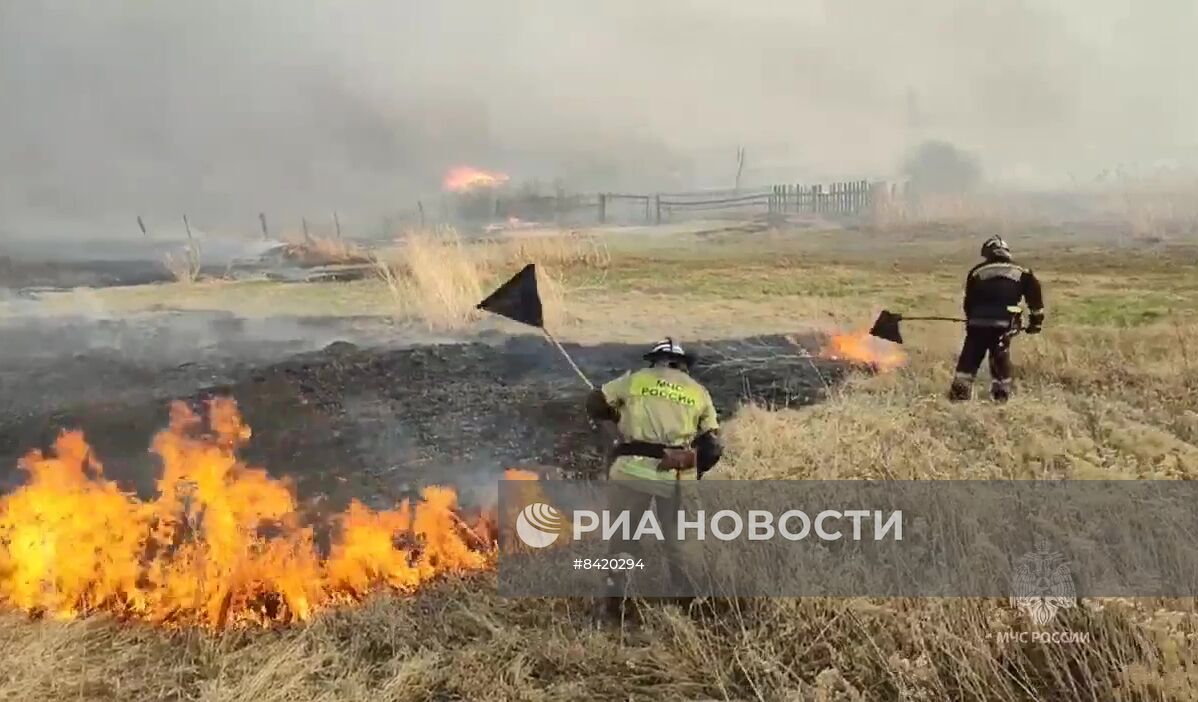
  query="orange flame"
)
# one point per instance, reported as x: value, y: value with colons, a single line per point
x: 221, y: 544
x: 861, y: 347
x: 462, y: 179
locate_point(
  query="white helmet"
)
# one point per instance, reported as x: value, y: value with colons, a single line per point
x: 996, y: 248
x: 668, y: 349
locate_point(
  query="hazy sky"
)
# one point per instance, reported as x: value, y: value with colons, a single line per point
x: 223, y: 108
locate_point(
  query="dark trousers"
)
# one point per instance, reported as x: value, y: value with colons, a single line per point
x: 981, y: 342
x: 626, y: 498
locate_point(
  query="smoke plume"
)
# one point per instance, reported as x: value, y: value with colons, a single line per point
x: 226, y: 108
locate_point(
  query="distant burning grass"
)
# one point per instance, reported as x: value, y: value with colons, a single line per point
x: 462, y: 179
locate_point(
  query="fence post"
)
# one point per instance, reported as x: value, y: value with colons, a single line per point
x: 657, y: 200
x: 602, y: 207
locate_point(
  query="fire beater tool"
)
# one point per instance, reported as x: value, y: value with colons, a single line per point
x: 519, y: 300
x: 886, y: 326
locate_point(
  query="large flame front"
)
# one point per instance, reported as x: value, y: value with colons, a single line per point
x: 860, y: 347
x: 221, y: 545
x: 461, y: 179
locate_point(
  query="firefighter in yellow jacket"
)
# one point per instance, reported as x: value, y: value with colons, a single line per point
x: 668, y: 432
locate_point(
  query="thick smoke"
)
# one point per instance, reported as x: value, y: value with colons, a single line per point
x: 937, y: 167
x: 224, y: 108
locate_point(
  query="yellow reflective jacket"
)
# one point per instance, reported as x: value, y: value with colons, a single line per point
x: 661, y: 405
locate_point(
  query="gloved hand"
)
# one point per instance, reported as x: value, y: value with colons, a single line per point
x: 1035, y: 322
x: 708, y: 451
x: 598, y: 409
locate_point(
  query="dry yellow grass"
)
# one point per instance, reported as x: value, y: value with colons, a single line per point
x: 437, y: 277
x: 1148, y: 212
x: 1155, y: 212
x: 1003, y: 215
x: 1118, y: 406
x: 316, y: 250
x: 558, y: 250
x: 1106, y: 391
x: 185, y: 265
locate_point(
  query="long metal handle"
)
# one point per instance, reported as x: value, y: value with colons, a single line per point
x: 935, y: 319
x: 569, y: 360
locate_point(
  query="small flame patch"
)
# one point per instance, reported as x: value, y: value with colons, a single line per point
x: 860, y: 347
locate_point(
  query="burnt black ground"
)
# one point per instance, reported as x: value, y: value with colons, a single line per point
x: 375, y: 423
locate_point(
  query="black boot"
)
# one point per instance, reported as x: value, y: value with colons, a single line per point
x: 615, y: 609
x: 961, y: 389
x: 1000, y: 390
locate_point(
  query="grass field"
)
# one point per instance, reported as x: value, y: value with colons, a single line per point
x: 1106, y: 392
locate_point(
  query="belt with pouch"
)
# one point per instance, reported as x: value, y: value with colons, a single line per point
x: 669, y: 457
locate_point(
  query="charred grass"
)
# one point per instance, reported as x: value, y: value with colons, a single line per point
x: 1106, y: 392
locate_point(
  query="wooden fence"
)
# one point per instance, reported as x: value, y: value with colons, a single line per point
x: 851, y: 197
x: 844, y: 198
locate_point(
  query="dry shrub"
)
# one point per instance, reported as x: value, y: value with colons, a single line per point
x: 184, y: 266
x: 323, y: 251
x: 437, y: 277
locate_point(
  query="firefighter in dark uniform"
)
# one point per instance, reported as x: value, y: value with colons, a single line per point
x: 993, y: 291
x: 668, y: 431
